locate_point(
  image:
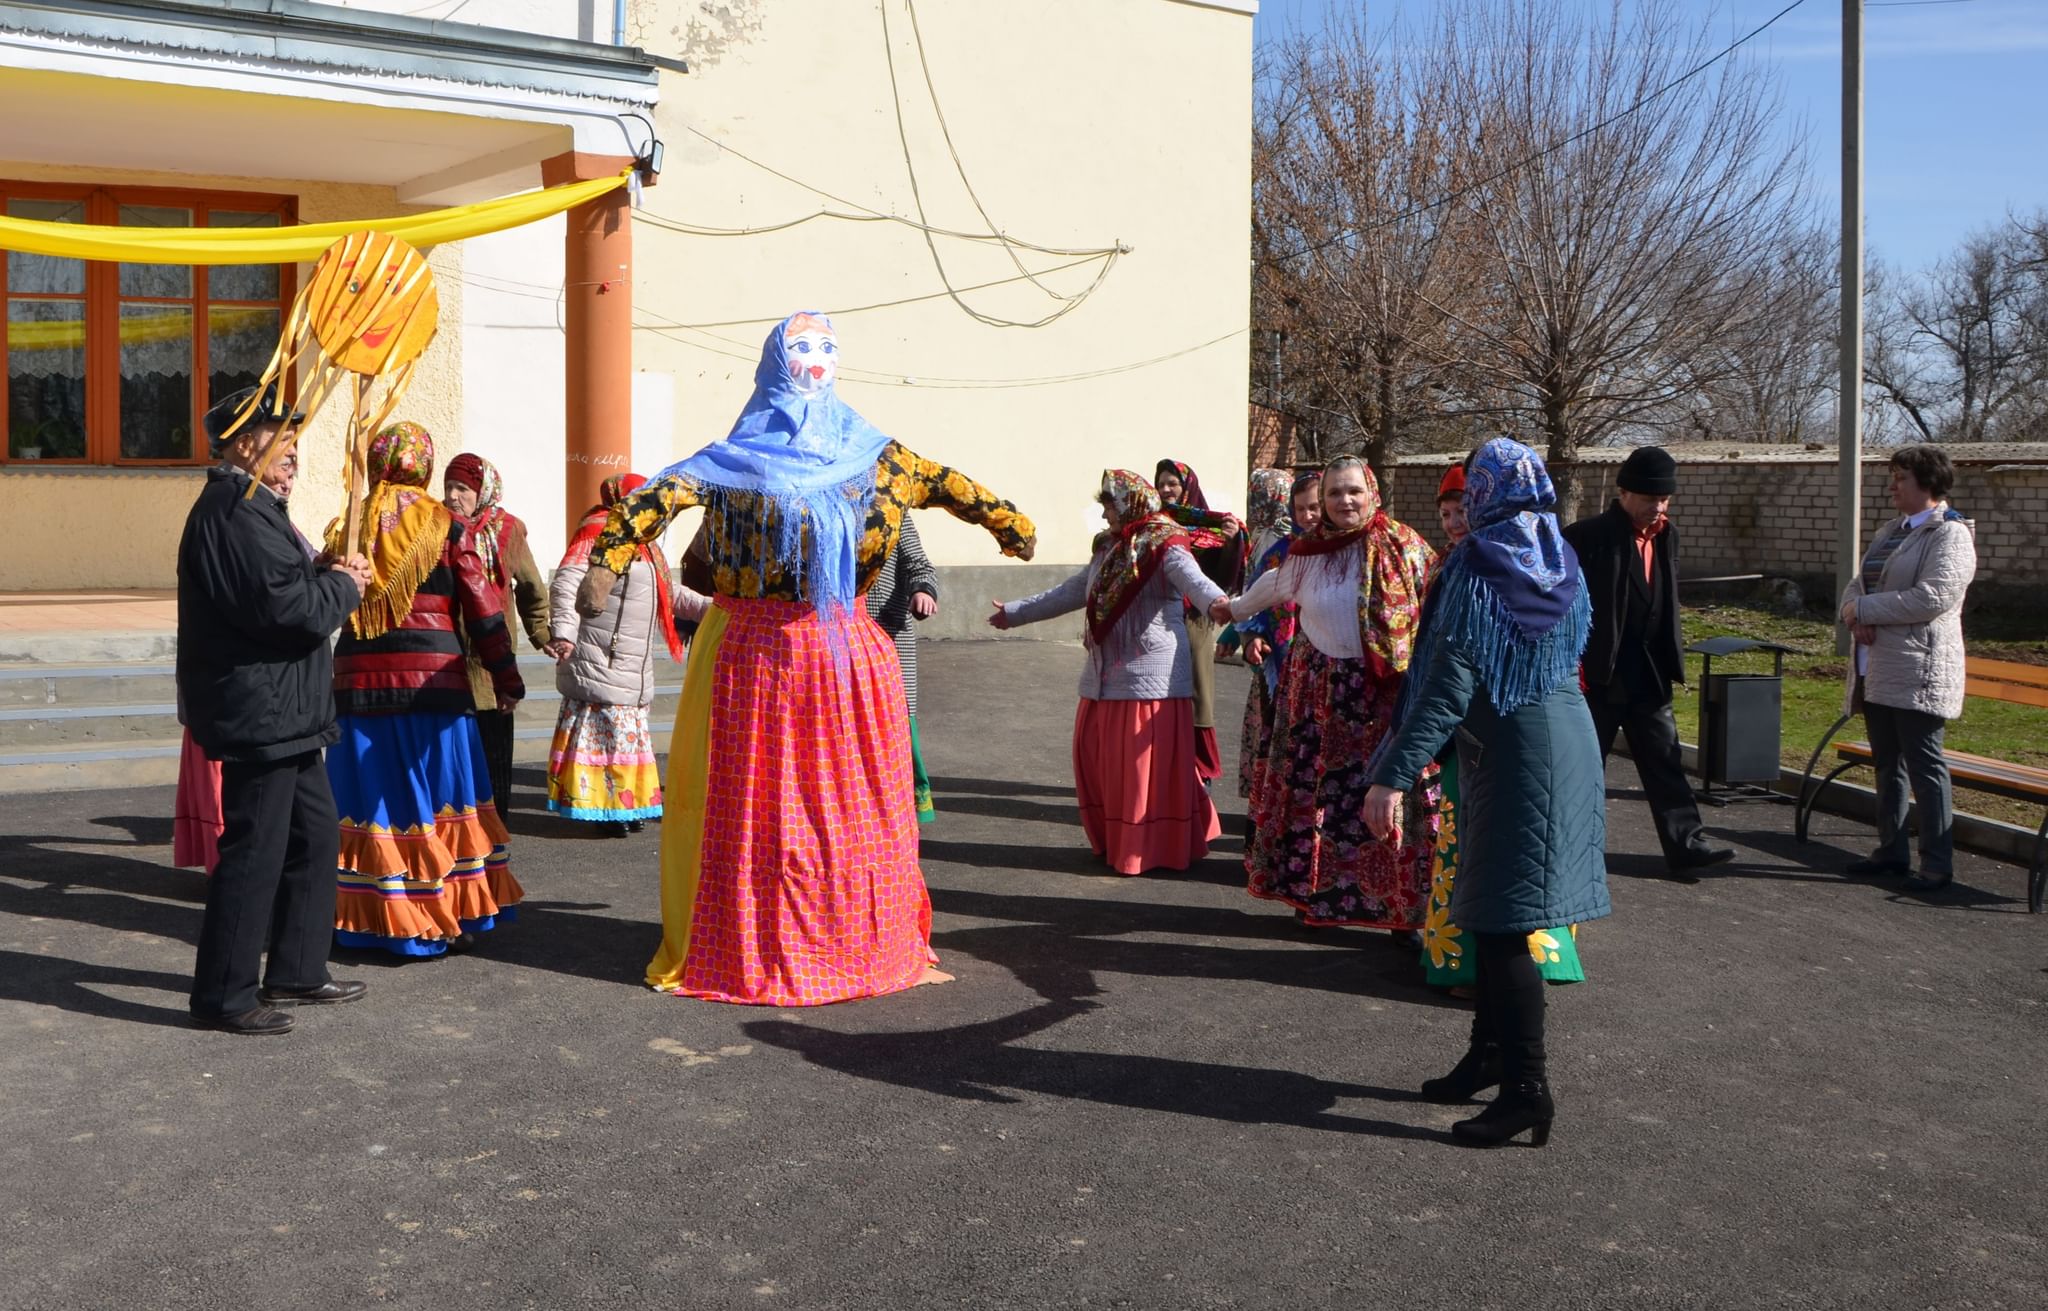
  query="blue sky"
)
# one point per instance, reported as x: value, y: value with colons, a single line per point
x: 1955, y: 116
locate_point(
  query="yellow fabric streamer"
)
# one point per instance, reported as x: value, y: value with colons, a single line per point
x: 135, y: 245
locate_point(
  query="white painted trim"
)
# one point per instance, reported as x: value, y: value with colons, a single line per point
x: 1249, y: 7
x: 595, y: 123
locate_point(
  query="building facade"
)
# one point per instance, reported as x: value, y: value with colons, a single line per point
x: 1029, y: 222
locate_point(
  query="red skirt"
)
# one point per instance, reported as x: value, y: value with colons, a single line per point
x: 1142, y: 804
x: 196, y: 821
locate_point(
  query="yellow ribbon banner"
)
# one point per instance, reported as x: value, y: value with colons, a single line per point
x: 287, y: 245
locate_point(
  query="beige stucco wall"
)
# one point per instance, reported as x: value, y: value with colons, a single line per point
x: 142, y: 511
x: 1079, y: 123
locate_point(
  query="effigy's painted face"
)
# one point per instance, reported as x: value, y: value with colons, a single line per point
x: 811, y: 360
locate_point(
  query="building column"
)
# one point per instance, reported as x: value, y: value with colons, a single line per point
x: 597, y: 348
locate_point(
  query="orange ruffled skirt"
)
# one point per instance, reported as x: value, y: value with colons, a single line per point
x: 424, y: 855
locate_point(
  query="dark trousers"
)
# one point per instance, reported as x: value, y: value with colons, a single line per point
x: 1511, y: 1004
x: 495, y: 728
x: 274, y: 886
x: 1906, y: 745
x: 1653, y: 742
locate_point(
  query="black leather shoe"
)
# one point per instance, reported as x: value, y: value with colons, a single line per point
x: 461, y: 942
x: 1876, y: 869
x: 258, y: 1021
x: 1523, y: 1106
x: 1699, y: 855
x: 327, y: 994
x: 1924, y: 883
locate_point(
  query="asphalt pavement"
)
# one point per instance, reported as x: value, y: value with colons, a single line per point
x: 1780, y: 1088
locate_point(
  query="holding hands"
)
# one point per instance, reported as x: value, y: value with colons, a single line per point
x: 1256, y: 650
x: 1219, y: 610
x: 356, y: 567
x: 1383, y: 813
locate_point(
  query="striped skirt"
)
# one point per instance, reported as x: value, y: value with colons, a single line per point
x: 424, y: 855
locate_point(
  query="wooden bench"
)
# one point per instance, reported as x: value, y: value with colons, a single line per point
x: 1994, y: 680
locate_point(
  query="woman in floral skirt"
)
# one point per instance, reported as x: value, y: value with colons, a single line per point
x: 601, y: 766
x: 1358, y: 586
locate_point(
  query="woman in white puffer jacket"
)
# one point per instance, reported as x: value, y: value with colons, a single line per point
x: 1905, y: 608
x: 601, y: 767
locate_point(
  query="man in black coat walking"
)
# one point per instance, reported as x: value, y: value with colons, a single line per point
x: 256, y: 679
x: 1635, y: 654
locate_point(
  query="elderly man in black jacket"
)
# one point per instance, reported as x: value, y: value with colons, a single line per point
x: 1635, y: 654
x: 255, y: 613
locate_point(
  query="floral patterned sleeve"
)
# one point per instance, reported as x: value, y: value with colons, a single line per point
x: 641, y: 517
x: 917, y: 482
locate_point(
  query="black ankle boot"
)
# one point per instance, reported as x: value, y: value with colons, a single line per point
x: 1522, y: 1104
x: 1475, y: 1072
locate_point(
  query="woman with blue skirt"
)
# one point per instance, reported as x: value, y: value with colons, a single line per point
x: 424, y: 854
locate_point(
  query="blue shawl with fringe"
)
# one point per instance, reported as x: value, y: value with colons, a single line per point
x: 1509, y: 598
x: 809, y: 463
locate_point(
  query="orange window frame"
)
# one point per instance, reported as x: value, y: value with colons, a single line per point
x: 103, y: 312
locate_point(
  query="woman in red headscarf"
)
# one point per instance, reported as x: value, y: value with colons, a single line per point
x: 1142, y: 805
x: 601, y: 768
x: 1357, y: 584
x: 473, y: 492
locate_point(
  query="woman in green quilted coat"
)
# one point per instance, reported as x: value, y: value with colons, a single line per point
x: 1496, y: 668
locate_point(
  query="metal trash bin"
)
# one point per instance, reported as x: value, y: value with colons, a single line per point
x: 1741, y: 722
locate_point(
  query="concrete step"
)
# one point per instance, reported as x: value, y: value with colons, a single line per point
x: 106, y: 750
x: 143, y: 683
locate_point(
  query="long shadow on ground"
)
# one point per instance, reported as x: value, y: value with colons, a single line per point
x: 73, y: 986
x: 977, y: 1062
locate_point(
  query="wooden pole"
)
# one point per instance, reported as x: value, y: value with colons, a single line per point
x: 358, y: 464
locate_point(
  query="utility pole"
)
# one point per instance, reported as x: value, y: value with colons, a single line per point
x: 1849, y: 413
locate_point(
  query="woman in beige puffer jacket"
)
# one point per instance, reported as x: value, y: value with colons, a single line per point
x: 1905, y: 609
x: 601, y: 766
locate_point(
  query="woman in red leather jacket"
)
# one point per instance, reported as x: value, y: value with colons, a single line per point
x: 424, y: 863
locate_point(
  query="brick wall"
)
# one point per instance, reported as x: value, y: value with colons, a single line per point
x: 1775, y: 513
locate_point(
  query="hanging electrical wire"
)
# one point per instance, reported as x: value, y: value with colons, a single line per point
x: 1067, y: 304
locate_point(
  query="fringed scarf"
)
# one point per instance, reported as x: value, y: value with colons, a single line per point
x: 404, y: 529
x: 615, y: 489
x: 1135, y: 550
x: 1393, y: 568
x: 1509, y: 598
x: 805, y: 466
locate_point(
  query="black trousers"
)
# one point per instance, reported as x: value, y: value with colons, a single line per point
x: 1653, y: 742
x: 1511, y: 1005
x: 274, y: 886
x: 495, y: 728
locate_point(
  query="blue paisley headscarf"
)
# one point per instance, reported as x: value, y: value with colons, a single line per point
x: 811, y: 462
x: 1509, y: 598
